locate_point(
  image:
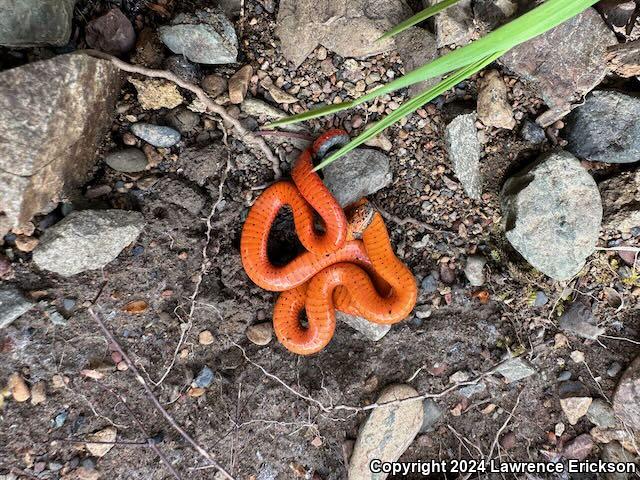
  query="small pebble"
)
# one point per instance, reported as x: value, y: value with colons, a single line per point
x: 156, y: 135
x: 260, y: 334
x: 129, y: 160
x: 18, y: 388
x: 564, y: 376
x: 204, y: 378
x: 25, y: 243
x: 614, y: 369
x: 577, y: 356
x: 205, y: 337
x: 38, y: 393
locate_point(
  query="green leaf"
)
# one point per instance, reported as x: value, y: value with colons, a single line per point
x: 529, y: 25
x: 418, y: 17
x: 410, y: 106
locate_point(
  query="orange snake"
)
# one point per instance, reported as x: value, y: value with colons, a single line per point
x: 350, y: 266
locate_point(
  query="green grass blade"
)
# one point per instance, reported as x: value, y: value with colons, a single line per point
x: 418, y: 17
x: 529, y: 25
x: 410, y: 106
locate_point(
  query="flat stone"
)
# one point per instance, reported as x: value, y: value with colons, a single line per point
x: 417, y: 47
x: 12, y: 305
x: 156, y: 135
x: 432, y: 413
x: 565, y: 63
x: 205, y: 378
x: 552, y: 213
x: 601, y: 414
x: 515, y: 369
x: 578, y: 320
x: 579, y: 448
x: 260, y: 334
x: 624, y: 59
x: 205, y: 36
x: 620, y: 197
x: 87, y: 240
x: 239, y: 84
x: 359, y: 173
x: 53, y: 115
x: 494, y: 109
x: 626, y: 398
x: 30, y: 23
x: 454, y: 26
x: 371, y: 331
x: 575, y: 408
x: 130, y: 160
x: 183, y: 120
x: 461, y: 137
x: 346, y: 27
x: 99, y: 450
x: 387, y: 433
x: 606, y: 128
x: 112, y: 33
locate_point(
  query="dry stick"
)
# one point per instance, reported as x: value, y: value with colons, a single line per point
x: 504, y: 425
x: 241, y: 133
x: 153, y: 398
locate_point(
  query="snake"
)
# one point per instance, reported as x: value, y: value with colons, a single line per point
x: 348, y: 264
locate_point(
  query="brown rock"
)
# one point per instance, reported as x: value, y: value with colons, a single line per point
x: 38, y: 393
x: 25, y: 243
x: 624, y: 59
x: 278, y: 95
x: 54, y: 114
x: 239, y: 84
x: 260, y: 334
x: 579, y: 448
x: 626, y: 399
x: 18, y: 388
x: 214, y: 85
x: 149, y: 49
x: 575, y: 408
x: 417, y: 47
x: 205, y: 337
x: 111, y: 33
x: 155, y: 93
x: 108, y: 434
x: 494, y: 109
x: 508, y: 440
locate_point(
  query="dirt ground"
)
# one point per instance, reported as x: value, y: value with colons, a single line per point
x: 249, y: 421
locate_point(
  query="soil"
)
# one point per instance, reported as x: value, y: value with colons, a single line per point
x: 248, y: 421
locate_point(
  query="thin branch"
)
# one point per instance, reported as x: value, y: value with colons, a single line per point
x: 504, y: 425
x: 153, y: 398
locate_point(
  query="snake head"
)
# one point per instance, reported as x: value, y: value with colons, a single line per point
x: 359, y: 217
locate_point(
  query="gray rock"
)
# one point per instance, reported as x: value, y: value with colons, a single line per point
x: 454, y: 26
x: 204, y: 378
x: 387, y: 432
x: 620, y: 201
x: 515, y: 369
x: 205, y: 37
x: 490, y: 14
x: 417, y: 47
x: 346, y: 27
x: 564, y: 376
x: 613, y: 452
x: 429, y: 283
x: 471, y: 390
x: 156, y: 135
x: 606, y: 128
x: 540, y: 300
x: 359, y: 173
x: 578, y: 320
x: 474, y: 270
x: 626, y: 398
x: 178, y: 193
x: 87, y: 240
x: 183, y: 68
x: 53, y: 116
x: 183, y: 120
x: 552, y: 213
x: 565, y: 63
x: 432, y: 413
x: 464, y: 149
x: 614, y: 370
x: 29, y: 23
x: 371, y: 331
x: 12, y: 305
x: 129, y: 160
x: 533, y: 133
x: 112, y: 33
x: 618, y: 14
x: 601, y: 414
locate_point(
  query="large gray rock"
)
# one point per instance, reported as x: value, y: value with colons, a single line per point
x: 606, y: 128
x: 29, y: 23
x: 565, y: 63
x: 359, y: 173
x: 53, y: 116
x: 12, y: 305
x: 347, y: 27
x: 206, y: 36
x: 417, y: 47
x: 621, y: 201
x: 463, y: 145
x: 552, y: 213
x: 387, y: 433
x: 454, y: 26
x: 371, y: 331
x: 87, y: 240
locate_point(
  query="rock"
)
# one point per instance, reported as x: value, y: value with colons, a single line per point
x: 552, y: 213
x: 578, y: 319
x: 533, y: 133
x: 38, y: 393
x: 474, y: 270
x: 359, y: 173
x: 99, y: 450
x: 432, y: 413
x: 494, y: 109
x: 454, y: 26
x: 183, y: 120
x: 35, y: 22
x: 87, y: 240
x: 620, y: 197
x: 205, y: 337
x: 204, y: 379
x: 508, y: 440
x: 417, y: 47
x: 112, y: 33
x: 129, y: 160
x: 260, y: 334
x: 155, y: 93
x: 461, y: 137
x: 579, y: 448
x: 277, y: 94
x: 624, y: 59
x: 447, y: 275
x: 387, y: 432
x: 183, y: 68
x: 471, y: 390
x: 214, y: 85
x: 490, y: 14
x: 429, y: 283
x: 575, y: 408
x: 564, y: 376
x: 371, y: 331
x: 540, y: 300
x: 606, y: 128
x: 149, y: 49
x: 346, y: 27
x: 618, y: 14
x: 54, y: 114
x: 614, y: 370
x: 25, y: 243
x: 156, y: 135
x: 205, y: 37
x: 565, y: 63
x: 380, y: 141
x: 626, y: 398
x: 601, y: 414
x: 515, y: 369
x: 614, y: 453
x: 12, y: 305
x: 18, y: 388
x: 239, y: 84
